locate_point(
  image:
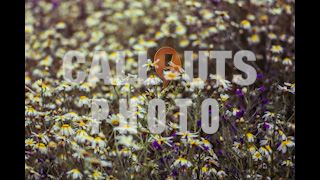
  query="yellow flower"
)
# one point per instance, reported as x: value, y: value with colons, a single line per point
x: 257, y: 156
x: 283, y: 146
x: 286, y: 61
x: 171, y: 76
x: 276, y: 49
x: 250, y: 137
x: 182, y: 162
x: 66, y: 130
x: 245, y: 24
x: 252, y: 149
x: 30, y: 112
x: 254, y: 39
x: 41, y: 148
x: 75, y: 174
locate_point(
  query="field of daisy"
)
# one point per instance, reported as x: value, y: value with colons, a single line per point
x: 256, y: 134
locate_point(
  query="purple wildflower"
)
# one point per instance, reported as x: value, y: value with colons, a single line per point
x: 217, y: 141
x: 156, y: 145
x: 262, y: 89
x: 175, y: 173
x: 259, y: 76
x: 265, y: 101
x: 233, y: 128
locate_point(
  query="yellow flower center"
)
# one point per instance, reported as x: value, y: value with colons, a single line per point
x: 83, y: 97
x: 65, y: 126
x: 75, y: 170
x: 257, y: 155
x: 29, y: 142
x: 172, y: 76
x: 41, y: 145
x: 182, y: 159
x: 276, y: 48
